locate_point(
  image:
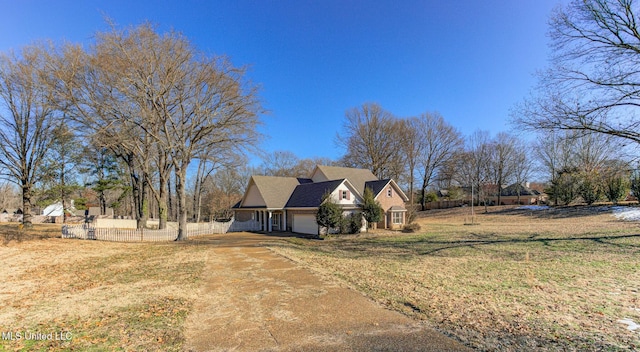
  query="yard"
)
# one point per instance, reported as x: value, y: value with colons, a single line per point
x: 93, y: 295
x: 556, y: 279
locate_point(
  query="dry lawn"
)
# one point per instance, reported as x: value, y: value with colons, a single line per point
x: 557, y: 279
x: 107, y: 296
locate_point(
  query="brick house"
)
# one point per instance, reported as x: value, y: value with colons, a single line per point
x: 290, y: 203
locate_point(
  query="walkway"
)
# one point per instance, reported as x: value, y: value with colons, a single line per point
x: 256, y: 300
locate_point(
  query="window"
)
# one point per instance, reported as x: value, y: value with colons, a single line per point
x: 345, y: 195
x: 390, y: 192
x: 396, y: 217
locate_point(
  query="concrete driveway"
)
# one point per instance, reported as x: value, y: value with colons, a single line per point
x: 255, y: 300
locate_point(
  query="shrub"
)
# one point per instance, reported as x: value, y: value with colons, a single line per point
x: 616, y: 188
x: 352, y: 223
x: 371, y: 209
x: 329, y: 213
x: 590, y: 189
x: 430, y: 197
x: 411, y: 228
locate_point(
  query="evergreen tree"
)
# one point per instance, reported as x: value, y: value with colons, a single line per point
x: 371, y: 209
x: 329, y: 213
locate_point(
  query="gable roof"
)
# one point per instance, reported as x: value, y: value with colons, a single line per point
x: 357, y: 177
x: 380, y: 185
x: 377, y: 186
x: 309, y: 195
x: 274, y: 190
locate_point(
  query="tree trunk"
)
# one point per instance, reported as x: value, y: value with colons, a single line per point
x: 181, y: 175
x: 26, y: 205
x: 103, y: 202
x: 62, y: 195
x: 162, y: 202
x: 197, y: 197
x: 170, y: 207
x: 423, y: 194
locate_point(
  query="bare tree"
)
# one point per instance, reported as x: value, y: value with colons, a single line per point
x: 281, y: 163
x: 503, y: 162
x: 187, y: 102
x: 474, y: 166
x: 440, y: 142
x: 27, y: 118
x: 156, y: 95
x: 372, y: 140
x: 412, y: 145
x: 523, y: 166
x: 592, y: 84
x: 9, y: 197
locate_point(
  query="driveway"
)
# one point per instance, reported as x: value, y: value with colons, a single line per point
x: 255, y: 300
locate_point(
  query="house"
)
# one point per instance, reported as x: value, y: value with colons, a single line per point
x: 519, y: 194
x: 290, y: 203
x: 56, y: 209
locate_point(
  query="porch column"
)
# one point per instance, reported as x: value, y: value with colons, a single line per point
x: 386, y: 220
x: 283, y: 226
x: 269, y: 221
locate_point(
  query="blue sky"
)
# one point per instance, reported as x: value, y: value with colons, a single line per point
x: 469, y: 60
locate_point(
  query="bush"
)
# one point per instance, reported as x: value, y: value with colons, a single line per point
x: 411, y: 228
x: 329, y: 214
x: 351, y: 224
x: 590, y: 189
x: 431, y: 197
x: 616, y: 188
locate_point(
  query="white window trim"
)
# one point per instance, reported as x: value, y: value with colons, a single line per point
x: 393, y: 217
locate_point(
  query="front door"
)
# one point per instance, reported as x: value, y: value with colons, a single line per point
x: 275, y: 221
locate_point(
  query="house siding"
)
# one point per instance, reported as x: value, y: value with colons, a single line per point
x: 253, y: 198
x: 386, y: 203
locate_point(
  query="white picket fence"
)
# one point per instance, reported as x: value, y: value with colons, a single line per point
x: 90, y: 232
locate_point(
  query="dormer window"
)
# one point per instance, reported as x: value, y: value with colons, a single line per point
x: 390, y: 192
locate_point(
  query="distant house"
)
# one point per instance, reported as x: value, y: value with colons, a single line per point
x: 513, y: 194
x: 56, y: 209
x: 519, y: 194
x: 291, y: 204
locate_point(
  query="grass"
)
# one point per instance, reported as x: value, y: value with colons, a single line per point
x: 103, y: 296
x: 520, y: 280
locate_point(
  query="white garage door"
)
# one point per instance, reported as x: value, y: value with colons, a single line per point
x: 305, y: 223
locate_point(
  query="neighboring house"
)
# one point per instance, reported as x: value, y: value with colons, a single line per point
x: 509, y: 195
x: 290, y: 203
x: 56, y: 209
x: 527, y: 196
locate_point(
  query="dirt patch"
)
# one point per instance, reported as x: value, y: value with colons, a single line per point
x: 256, y: 300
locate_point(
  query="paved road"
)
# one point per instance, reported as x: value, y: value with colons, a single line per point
x: 256, y: 300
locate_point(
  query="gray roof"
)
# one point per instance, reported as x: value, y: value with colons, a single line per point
x: 357, y: 177
x: 309, y: 195
x: 275, y: 190
x: 377, y: 186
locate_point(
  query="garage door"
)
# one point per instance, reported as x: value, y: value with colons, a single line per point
x: 305, y: 223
